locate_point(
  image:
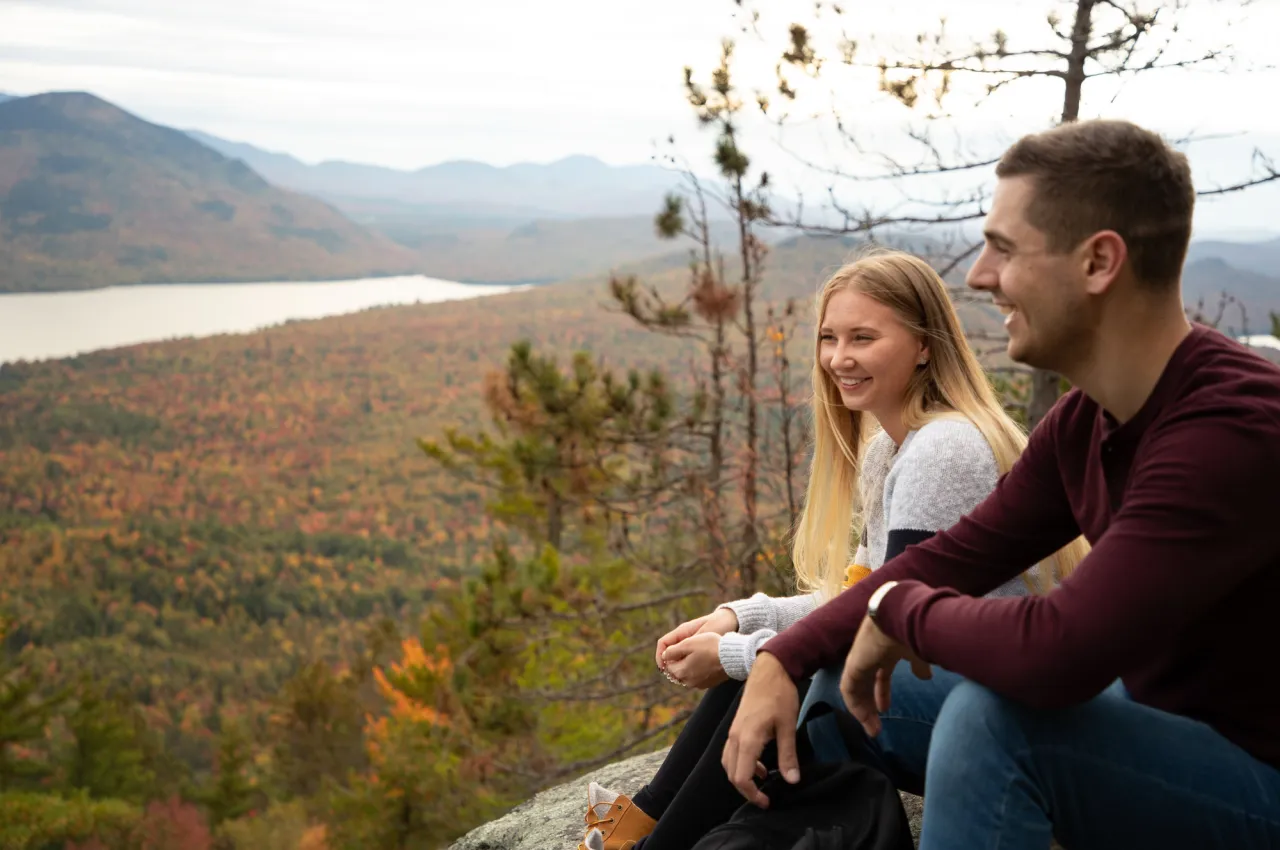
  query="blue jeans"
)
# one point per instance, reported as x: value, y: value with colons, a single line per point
x: 1107, y: 773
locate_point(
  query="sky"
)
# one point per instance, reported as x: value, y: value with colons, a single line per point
x: 408, y: 83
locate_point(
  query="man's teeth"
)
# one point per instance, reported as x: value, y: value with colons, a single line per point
x: 1006, y: 309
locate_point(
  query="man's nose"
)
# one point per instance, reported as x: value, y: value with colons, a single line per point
x: 981, y: 275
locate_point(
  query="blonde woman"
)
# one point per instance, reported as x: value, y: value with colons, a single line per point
x: 908, y: 437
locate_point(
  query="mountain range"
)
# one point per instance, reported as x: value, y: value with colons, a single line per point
x: 91, y: 195
x: 574, y: 187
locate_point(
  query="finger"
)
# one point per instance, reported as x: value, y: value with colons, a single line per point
x: 736, y: 751
x: 664, y: 643
x: 688, y: 629
x: 788, y: 762
x: 678, y: 652
x: 859, y: 699
x: 744, y: 772
x: 761, y: 770
x: 729, y: 755
x: 884, y: 688
x: 922, y: 669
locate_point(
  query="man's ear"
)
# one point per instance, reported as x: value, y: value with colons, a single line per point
x: 1103, y: 256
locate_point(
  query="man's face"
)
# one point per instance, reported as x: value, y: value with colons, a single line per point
x: 1042, y: 294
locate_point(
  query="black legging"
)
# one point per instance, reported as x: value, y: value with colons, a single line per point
x: 690, y: 794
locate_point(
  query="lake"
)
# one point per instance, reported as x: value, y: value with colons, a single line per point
x: 39, y: 325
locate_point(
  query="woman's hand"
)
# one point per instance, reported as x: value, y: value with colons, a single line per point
x: 720, y: 622
x: 695, y: 661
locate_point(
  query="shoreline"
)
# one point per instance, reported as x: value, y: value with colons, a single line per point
x: 36, y: 327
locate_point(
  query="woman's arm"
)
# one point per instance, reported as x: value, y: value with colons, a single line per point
x: 738, y: 651
x: 774, y: 613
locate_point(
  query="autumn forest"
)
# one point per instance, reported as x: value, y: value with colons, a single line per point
x: 369, y: 581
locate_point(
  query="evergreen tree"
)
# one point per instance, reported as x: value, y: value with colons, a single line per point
x: 25, y: 714
x: 107, y: 756
x: 234, y: 790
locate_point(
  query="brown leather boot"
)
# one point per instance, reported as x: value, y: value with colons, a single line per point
x: 618, y: 822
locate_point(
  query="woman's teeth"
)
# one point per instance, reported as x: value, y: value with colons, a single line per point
x: 850, y: 383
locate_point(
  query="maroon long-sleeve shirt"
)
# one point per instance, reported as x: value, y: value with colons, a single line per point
x: 1180, y: 596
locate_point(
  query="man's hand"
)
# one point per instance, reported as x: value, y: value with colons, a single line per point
x: 868, y: 674
x: 768, y: 711
x: 721, y: 622
x: 695, y: 661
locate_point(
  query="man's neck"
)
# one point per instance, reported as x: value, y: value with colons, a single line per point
x: 1130, y: 353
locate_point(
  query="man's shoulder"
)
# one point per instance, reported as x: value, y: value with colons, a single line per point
x: 1221, y: 374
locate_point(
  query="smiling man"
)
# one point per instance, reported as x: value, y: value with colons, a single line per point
x: 1133, y: 705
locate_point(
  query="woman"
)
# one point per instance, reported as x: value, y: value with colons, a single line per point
x: 908, y: 437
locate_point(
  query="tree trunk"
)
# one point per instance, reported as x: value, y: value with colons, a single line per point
x: 1044, y: 384
x: 555, y: 517
x: 712, y: 509
x: 750, y: 478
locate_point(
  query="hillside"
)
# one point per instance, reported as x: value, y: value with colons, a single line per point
x: 91, y: 195
x: 195, y: 522
x: 537, y: 251
x: 573, y: 187
x: 1206, y: 280
x: 1261, y: 257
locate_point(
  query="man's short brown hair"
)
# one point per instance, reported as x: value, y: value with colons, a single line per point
x: 1109, y: 175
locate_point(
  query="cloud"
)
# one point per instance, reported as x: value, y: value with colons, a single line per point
x: 412, y: 82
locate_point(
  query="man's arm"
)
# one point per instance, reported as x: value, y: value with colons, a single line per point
x: 1023, y: 521
x: 1192, y: 527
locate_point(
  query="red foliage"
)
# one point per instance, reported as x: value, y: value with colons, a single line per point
x: 173, y: 825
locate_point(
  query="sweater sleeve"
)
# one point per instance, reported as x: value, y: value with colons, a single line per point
x: 1163, y: 562
x: 738, y: 651
x: 770, y: 612
x: 1025, y: 519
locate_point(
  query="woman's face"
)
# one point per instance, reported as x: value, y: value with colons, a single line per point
x: 868, y: 353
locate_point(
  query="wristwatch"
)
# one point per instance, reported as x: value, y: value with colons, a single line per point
x: 873, y: 605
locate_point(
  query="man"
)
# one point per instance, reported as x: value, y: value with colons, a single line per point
x: 1135, y: 705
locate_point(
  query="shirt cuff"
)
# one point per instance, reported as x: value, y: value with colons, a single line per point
x: 738, y: 652
x: 896, y: 609
x: 753, y: 614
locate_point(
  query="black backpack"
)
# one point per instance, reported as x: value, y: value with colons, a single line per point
x: 835, y: 806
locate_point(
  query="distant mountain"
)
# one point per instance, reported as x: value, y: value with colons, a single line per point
x: 91, y: 195
x: 4, y: 97
x: 1207, y: 280
x: 1259, y: 257
x: 543, y: 250
x: 574, y: 187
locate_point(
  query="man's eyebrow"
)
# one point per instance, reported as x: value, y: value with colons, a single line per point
x: 996, y: 236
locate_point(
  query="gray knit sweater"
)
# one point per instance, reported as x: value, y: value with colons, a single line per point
x: 940, y: 473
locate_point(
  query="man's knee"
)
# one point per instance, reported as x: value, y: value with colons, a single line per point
x: 976, y: 719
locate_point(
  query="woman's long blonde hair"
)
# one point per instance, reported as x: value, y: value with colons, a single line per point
x: 951, y: 384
